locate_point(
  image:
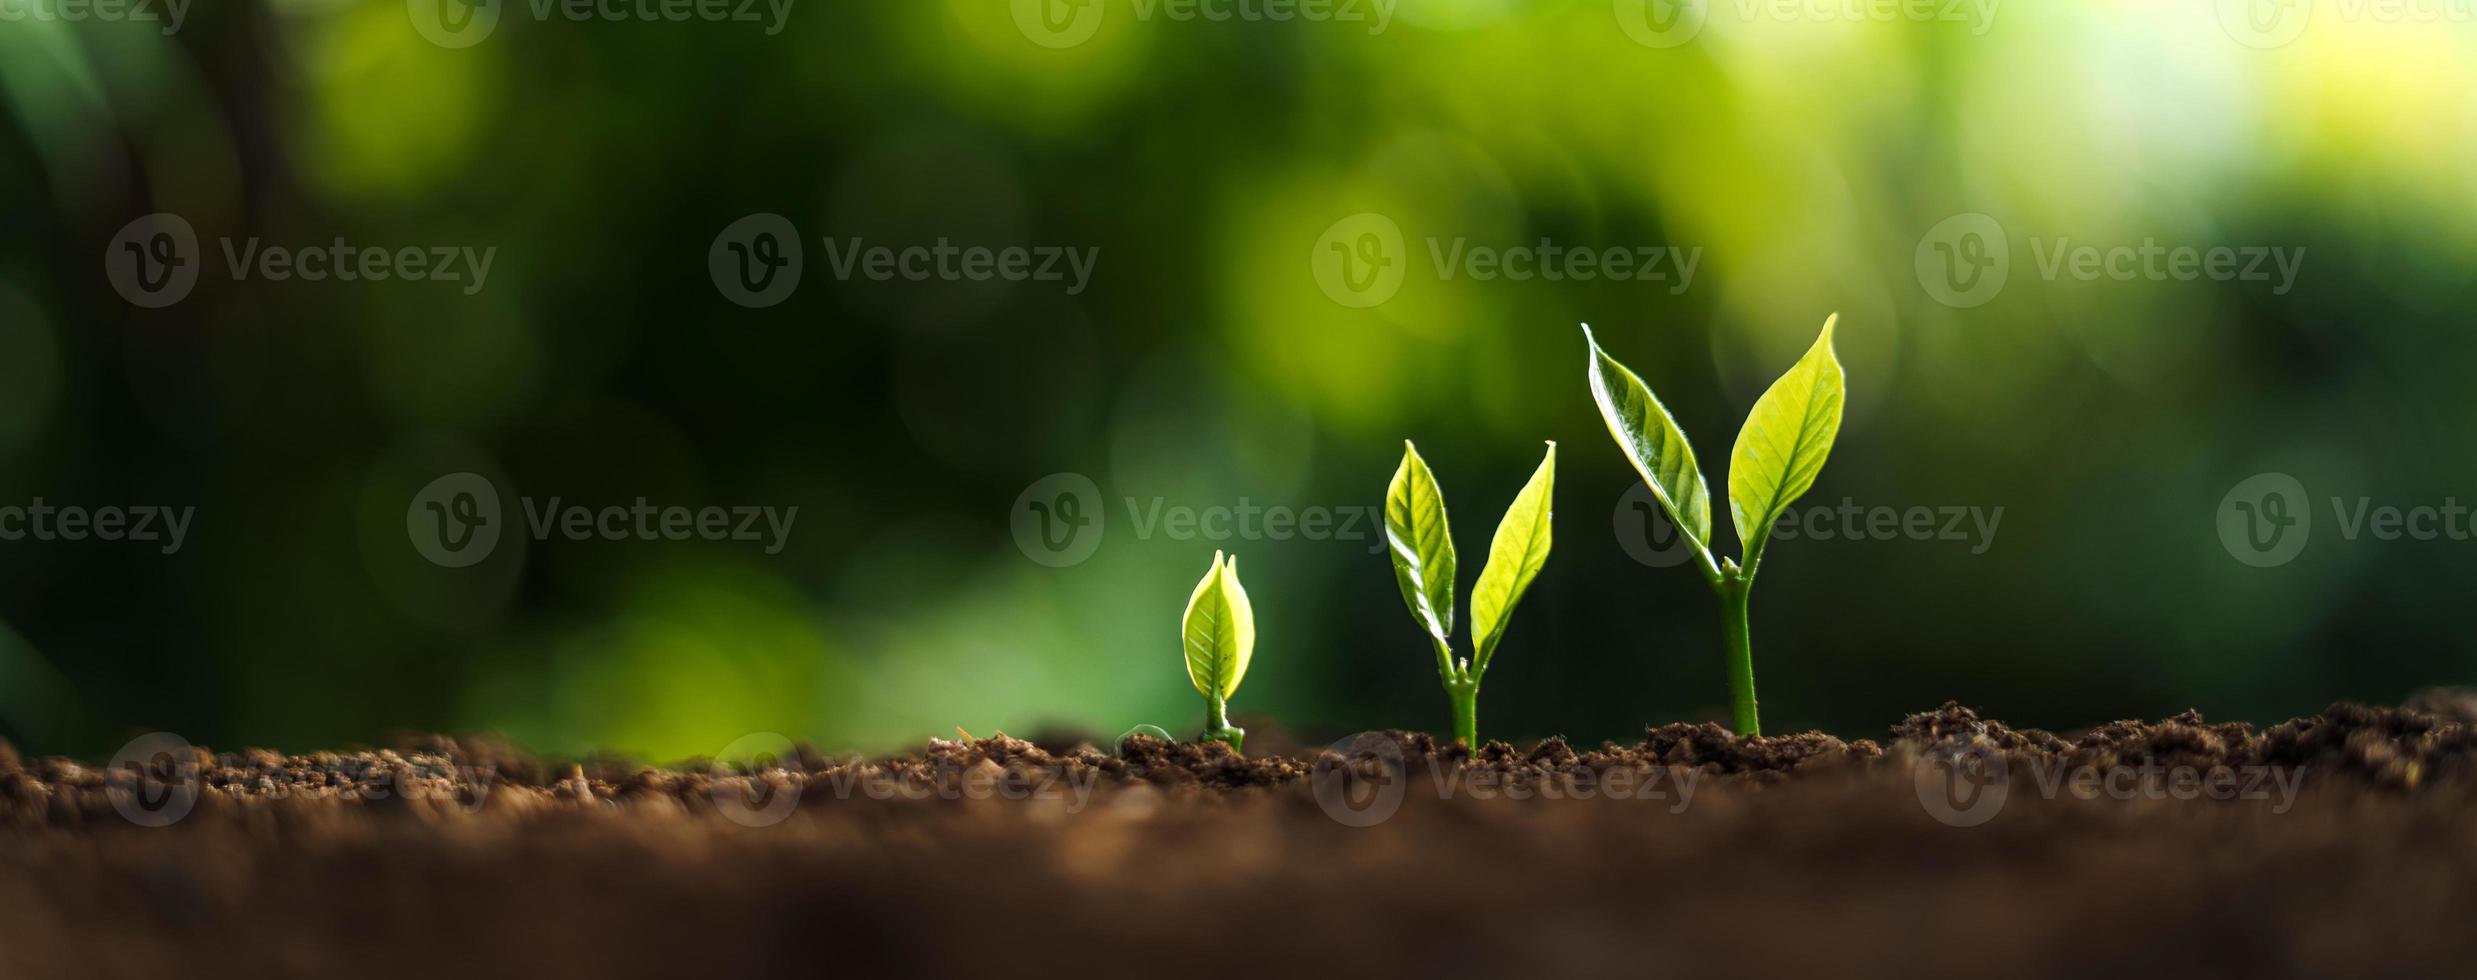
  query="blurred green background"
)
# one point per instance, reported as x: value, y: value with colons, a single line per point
x: 1805, y: 155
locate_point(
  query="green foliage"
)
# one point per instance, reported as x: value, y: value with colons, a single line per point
x: 1421, y: 541
x: 1219, y: 633
x: 1515, y: 557
x: 1779, y: 452
x: 1783, y: 444
x: 1655, y: 445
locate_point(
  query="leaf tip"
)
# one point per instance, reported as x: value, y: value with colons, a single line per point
x: 1831, y: 351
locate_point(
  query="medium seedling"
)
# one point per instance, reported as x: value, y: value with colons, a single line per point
x: 1423, y: 563
x: 1219, y: 632
x: 1779, y: 452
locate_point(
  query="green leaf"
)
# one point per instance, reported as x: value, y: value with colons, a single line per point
x: 1422, y: 544
x: 1220, y: 631
x: 1654, y: 443
x: 1784, y: 443
x: 1514, y: 558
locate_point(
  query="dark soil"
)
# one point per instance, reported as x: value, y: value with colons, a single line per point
x: 2339, y: 845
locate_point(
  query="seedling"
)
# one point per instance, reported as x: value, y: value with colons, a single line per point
x: 1779, y: 452
x: 1423, y: 563
x: 1220, y: 635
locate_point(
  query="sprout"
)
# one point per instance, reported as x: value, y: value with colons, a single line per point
x: 1778, y: 454
x: 1220, y: 635
x: 1422, y: 544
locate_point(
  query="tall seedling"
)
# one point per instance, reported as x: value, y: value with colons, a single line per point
x: 1779, y: 452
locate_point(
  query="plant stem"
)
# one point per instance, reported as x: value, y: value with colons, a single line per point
x: 1734, y: 591
x: 1217, y: 725
x: 1463, y: 691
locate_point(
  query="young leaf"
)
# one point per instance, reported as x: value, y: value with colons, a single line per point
x: 1514, y: 558
x: 1220, y: 631
x: 1422, y: 543
x: 1784, y: 443
x: 1654, y: 443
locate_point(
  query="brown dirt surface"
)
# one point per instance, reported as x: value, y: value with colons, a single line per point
x: 2335, y: 845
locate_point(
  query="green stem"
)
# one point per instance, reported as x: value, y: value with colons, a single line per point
x: 1217, y: 725
x: 1739, y: 642
x: 1463, y: 692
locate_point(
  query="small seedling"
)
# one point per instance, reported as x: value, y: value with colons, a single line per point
x: 1423, y: 563
x: 1220, y: 635
x: 1779, y: 452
